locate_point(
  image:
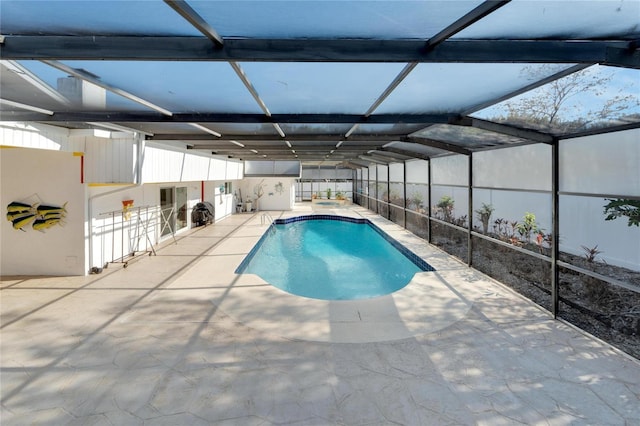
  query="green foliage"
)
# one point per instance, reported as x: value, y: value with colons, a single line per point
x: 328, y: 193
x: 416, y: 200
x: 528, y: 226
x: 484, y: 214
x: 591, y: 253
x: 623, y: 207
x: 445, y: 206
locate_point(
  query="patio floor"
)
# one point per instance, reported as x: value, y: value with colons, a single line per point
x: 179, y: 339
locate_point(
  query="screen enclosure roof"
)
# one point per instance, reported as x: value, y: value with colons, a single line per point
x: 335, y: 83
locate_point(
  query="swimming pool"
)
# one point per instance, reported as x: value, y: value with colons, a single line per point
x: 332, y: 258
x: 326, y: 203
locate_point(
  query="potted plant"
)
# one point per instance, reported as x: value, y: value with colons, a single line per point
x: 328, y: 193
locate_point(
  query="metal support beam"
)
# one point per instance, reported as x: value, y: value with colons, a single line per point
x: 208, y: 117
x: 20, y: 105
x: 396, y: 81
x: 371, y: 159
x: 618, y: 57
x: 187, y: 12
x: 475, y: 15
x: 386, y: 159
x: 387, y: 154
x: 317, y: 50
x: 358, y: 163
x: 610, y: 129
x: 391, y: 87
x: 217, y: 144
x: 406, y: 153
x: 291, y: 138
x: 35, y: 81
x: 505, y: 129
x: 245, y: 80
x: 439, y: 144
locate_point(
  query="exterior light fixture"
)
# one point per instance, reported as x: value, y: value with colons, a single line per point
x: 241, y: 145
x: 288, y: 143
x: 338, y: 144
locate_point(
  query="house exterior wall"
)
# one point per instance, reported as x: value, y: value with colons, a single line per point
x: 106, y: 160
x: 49, y: 178
x: 272, y: 198
x: 100, y: 232
x: 33, y: 135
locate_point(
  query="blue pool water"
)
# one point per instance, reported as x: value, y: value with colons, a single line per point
x: 331, y: 259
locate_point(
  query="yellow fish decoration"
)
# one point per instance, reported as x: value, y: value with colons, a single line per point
x: 39, y: 216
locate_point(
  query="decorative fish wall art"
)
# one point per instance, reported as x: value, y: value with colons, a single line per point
x: 40, y: 216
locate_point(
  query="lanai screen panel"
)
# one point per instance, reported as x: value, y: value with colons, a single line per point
x: 314, y: 128
x: 319, y: 87
x: 596, y: 97
x: 94, y: 17
x: 57, y: 80
x: 571, y: 19
x: 468, y: 137
x: 390, y: 129
x: 338, y: 84
x: 458, y: 87
x: 331, y: 19
x: 178, y: 86
x: 231, y: 129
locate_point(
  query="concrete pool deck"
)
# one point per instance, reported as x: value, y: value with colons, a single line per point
x: 179, y: 339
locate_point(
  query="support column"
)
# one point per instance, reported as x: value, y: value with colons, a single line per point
x: 388, y: 192
x: 470, y: 216
x: 555, y: 220
x: 404, y: 194
x: 429, y: 201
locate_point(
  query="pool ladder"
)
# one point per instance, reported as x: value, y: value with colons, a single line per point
x: 266, y: 218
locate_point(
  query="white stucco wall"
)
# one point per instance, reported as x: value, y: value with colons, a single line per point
x: 50, y: 178
x: 271, y: 199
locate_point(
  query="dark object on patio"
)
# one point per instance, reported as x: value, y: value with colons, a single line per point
x: 202, y: 214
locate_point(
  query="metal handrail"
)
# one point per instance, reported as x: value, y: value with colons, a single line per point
x: 266, y: 216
